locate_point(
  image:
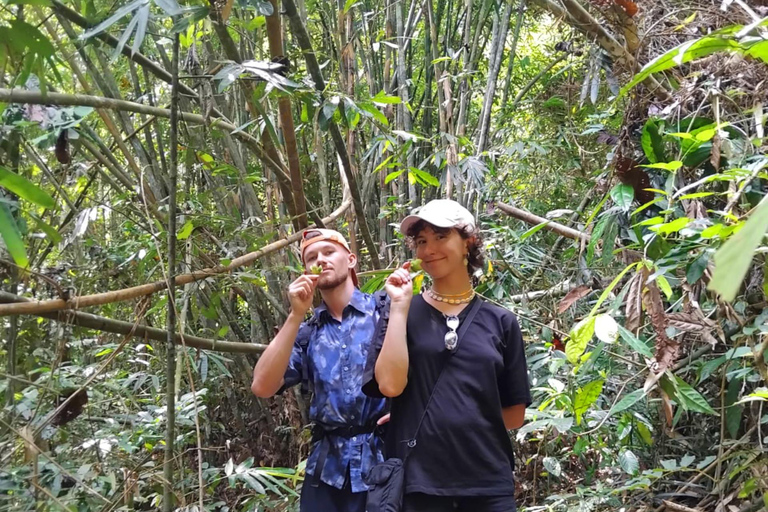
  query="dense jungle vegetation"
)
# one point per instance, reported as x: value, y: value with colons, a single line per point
x: 614, y: 152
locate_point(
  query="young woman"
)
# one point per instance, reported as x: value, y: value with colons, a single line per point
x: 459, y: 454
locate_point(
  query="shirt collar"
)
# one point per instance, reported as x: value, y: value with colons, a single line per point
x: 359, y: 301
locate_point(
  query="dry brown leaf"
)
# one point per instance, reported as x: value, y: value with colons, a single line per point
x: 226, y: 10
x: 571, y: 297
x: 633, y: 311
x: 667, y: 350
x: 696, y: 322
x: 715, y: 157
x: 667, y: 406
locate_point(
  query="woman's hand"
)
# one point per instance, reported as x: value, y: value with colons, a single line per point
x: 399, y: 286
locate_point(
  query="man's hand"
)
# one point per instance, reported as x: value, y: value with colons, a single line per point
x: 300, y: 293
x: 399, y: 286
x: 384, y: 419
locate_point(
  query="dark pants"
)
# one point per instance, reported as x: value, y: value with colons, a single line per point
x: 417, y: 502
x: 325, y: 498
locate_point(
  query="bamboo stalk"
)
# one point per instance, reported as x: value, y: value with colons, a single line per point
x: 100, y: 323
x: 530, y: 218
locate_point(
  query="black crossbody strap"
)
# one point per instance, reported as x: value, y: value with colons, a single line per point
x: 474, y: 308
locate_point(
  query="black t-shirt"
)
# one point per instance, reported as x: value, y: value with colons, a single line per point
x: 462, y: 448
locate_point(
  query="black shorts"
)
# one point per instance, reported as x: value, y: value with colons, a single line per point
x: 417, y: 502
x: 325, y: 498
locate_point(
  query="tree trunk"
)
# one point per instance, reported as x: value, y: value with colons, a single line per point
x: 170, y: 369
x: 302, y: 37
x: 275, y: 36
x: 497, y: 50
x: 513, y: 52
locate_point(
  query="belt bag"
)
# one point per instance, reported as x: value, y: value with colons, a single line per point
x: 386, y: 480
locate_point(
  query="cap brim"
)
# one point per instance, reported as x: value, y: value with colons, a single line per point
x: 410, y: 220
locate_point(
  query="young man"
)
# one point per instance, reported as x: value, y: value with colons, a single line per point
x: 327, y: 353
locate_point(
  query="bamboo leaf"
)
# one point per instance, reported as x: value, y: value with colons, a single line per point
x: 25, y: 189
x: 12, y: 238
x: 104, y: 25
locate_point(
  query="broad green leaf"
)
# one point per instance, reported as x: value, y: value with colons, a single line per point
x: 383, y: 99
x: 686, y: 52
x: 667, y: 166
x: 696, y: 195
x: 25, y: 189
x: 628, y: 401
x: 10, y: 234
x: 652, y: 142
x: 606, y: 328
x: 760, y: 394
x: 348, y: 5
x: 634, y: 342
x: 653, y: 221
x: 579, y: 337
x: 623, y: 195
x: 186, y: 230
x: 597, y: 233
x: 423, y: 177
x: 733, y: 259
x: 628, y: 462
x: 733, y: 411
x: 374, y: 112
x: 585, y: 397
x: 391, y: 176
x: 645, y: 433
x: 664, y: 286
x: 691, y: 399
x: 671, y: 227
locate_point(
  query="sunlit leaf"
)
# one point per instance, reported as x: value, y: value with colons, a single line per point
x: 11, y: 237
x: 733, y: 259
x: 25, y: 189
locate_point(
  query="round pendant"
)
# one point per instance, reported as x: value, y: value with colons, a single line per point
x: 451, y: 340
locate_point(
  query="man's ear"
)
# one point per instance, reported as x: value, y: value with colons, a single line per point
x: 352, y: 260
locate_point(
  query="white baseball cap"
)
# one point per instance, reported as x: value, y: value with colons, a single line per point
x: 442, y: 213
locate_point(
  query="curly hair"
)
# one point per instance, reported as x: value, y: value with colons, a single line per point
x: 475, y: 258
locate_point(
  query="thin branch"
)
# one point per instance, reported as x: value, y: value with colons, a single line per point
x: 100, y: 323
x: 530, y: 218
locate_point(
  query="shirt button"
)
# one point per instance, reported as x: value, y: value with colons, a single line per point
x: 343, y: 346
x: 354, y: 439
x: 349, y: 391
x: 346, y: 368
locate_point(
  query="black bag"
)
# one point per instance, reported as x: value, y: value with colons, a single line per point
x: 387, y: 479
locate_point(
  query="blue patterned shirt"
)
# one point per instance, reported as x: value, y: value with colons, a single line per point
x: 337, y: 356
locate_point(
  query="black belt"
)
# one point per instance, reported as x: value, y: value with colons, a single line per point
x: 320, y: 430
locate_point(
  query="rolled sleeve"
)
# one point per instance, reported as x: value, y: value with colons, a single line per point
x: 514, y: 388
x: 295, y: 365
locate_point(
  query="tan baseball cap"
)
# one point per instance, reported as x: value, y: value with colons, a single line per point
x: 443, y: 213
x: 314, y: 235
